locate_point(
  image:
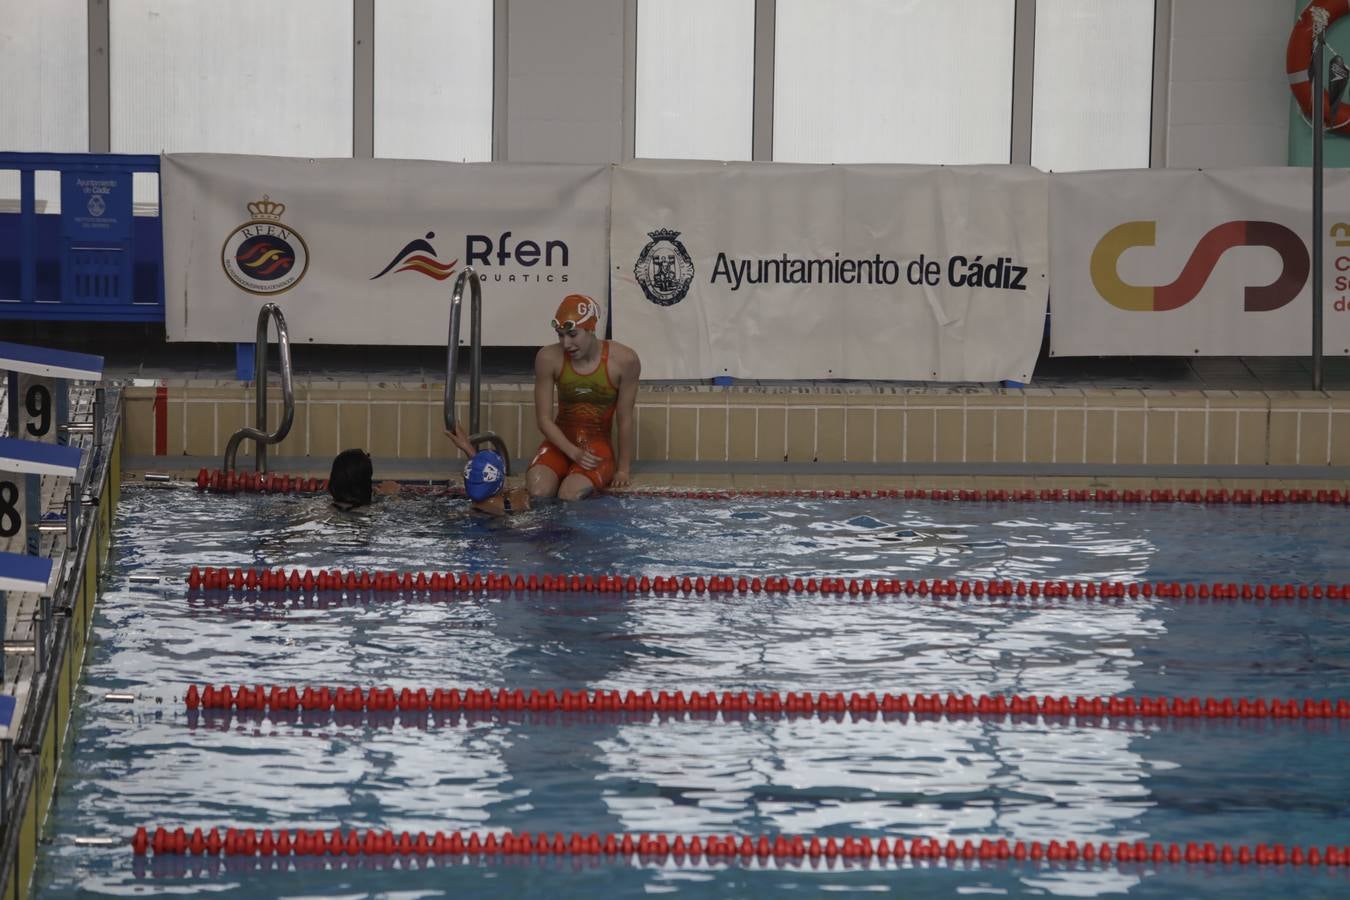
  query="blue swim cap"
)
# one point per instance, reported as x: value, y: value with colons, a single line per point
x: 484, y: 475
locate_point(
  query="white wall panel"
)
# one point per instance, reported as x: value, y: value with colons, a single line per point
x: 1222, y: 50
x: 1092, y: 101
x: 248, y: 76
x: 900, y: 81
x: 565, y: 81
x: 695, y: 78
x: 433, y: 79
x: 44, y: 105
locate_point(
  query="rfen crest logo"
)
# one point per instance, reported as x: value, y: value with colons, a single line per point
x: 264, y: 255
x: 1243, y: 233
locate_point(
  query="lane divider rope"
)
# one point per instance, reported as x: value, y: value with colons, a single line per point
x: 789, y: 703
x: 217, y: 481
x: 264, y: 580
x: 647, y: 847
x: 1241, y: 497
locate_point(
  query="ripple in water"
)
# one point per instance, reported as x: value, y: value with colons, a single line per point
x: 152, y: 763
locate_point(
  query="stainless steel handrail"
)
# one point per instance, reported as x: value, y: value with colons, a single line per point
x: 475, y: 363
x: 260, y: 434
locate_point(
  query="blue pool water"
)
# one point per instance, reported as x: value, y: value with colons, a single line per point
x: 151, y: 763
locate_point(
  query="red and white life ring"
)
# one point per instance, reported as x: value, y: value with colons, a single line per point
x: 1298, y: 59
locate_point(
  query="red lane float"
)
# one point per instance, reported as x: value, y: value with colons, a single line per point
x: 218, y: 481
x: 1055, y: 495
x: 715, y: 847
x: 210, y: 578
x: 805, y: 703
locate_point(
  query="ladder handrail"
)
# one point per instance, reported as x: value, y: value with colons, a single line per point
x: 260, y: 434
x: 475, y: 362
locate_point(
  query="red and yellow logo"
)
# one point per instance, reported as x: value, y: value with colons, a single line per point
x: 1159, y: 298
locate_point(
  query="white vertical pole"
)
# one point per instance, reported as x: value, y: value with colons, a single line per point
x: 1319, y: 46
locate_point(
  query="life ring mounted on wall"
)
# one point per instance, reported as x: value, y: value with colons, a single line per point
x: 1298, y: 60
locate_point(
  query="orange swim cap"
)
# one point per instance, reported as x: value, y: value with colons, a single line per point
x: 576, y: 311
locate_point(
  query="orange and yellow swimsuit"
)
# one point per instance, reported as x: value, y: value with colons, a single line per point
x: 586, y: 405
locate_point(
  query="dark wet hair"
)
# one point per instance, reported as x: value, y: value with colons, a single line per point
x: 350, y: 479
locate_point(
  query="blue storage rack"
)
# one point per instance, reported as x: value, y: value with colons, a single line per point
x: 94, y: 261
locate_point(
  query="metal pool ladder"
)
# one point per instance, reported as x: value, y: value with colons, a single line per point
x: 260, y: 434
x: 476, y: 437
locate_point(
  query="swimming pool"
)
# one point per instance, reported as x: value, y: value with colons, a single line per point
x: 153, y: 763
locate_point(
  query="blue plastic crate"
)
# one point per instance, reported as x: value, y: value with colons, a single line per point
x: 94, y: 261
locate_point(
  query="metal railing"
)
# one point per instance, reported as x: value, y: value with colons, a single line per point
x: 75, y: 506
x: 260, y: 435
x: 475, y: 363
x: 61, y: 622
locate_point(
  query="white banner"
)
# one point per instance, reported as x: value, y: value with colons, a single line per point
x: 772, y: 270
x: 366, y: 251
x: 1185, y: 263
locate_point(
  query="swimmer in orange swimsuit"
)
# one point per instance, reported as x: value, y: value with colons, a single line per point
x: 596, y: 381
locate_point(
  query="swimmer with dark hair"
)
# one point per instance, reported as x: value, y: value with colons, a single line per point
x: 351, y: 480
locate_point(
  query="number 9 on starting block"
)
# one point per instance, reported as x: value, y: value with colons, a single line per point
x: 42, y: 404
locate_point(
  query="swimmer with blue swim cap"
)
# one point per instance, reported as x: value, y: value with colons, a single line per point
x: 484, y: 475
x: 485, y: 479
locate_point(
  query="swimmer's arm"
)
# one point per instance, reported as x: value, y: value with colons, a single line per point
x: 629, y: 373
x: 386, y: 488
x: 494, y: 506
x: 545, y: 371
x: 461, y: 440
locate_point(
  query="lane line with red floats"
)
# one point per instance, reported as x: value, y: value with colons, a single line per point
x: 1085, y: 709
x: 218, y: 481
x: 729, y: 848
x: 1210, y: 496
x: 291, y: 580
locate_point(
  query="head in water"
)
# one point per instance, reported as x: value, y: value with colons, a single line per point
x: 349, y: 481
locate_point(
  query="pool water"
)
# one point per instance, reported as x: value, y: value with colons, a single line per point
x: 152, y: 763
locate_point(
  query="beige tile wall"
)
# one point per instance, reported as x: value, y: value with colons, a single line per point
x: 828, y: 423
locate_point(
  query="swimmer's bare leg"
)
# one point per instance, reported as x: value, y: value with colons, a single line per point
x: 575, y: 487
x: 541, y: 481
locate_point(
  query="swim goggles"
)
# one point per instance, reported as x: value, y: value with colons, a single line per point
x: 586, y: 324
x: 576, y: 311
